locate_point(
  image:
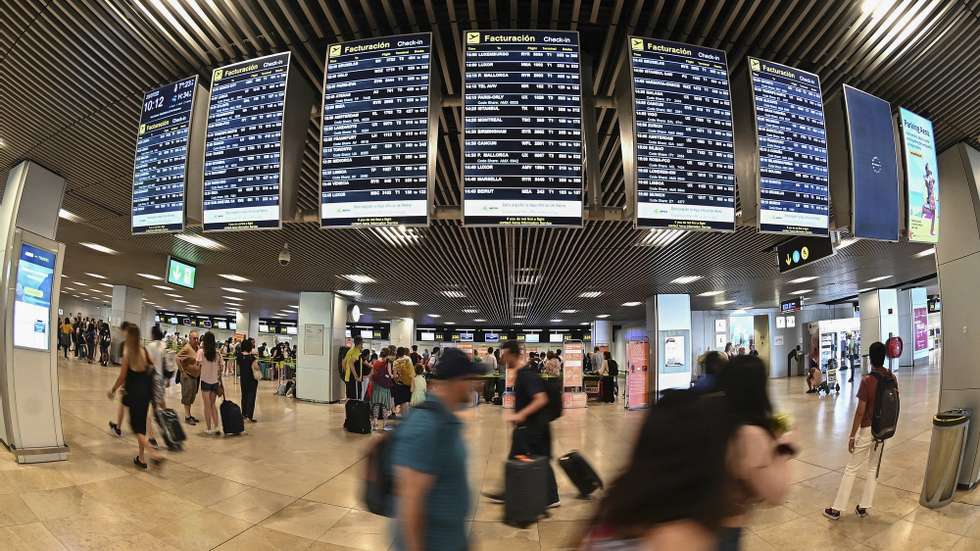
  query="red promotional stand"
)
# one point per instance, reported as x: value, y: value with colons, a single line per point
x: 637, y: 374
x: 573, y: 357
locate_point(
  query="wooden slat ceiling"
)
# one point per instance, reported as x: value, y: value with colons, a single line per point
x: 72, y: 75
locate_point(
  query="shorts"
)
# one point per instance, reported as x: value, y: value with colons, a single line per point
x: 188, y: 389
x: 210, y: 387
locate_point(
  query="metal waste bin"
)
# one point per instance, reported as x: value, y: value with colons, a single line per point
x: 949, y: 432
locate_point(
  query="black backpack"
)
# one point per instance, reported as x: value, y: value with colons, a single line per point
x: 379, y: 482
x: 554, y: 389
x: 884, y: 418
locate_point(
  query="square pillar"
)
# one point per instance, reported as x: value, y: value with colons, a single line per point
x: 669, y: 331
x: 320, y: 335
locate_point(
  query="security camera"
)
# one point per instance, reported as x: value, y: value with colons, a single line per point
x: 284, y: 256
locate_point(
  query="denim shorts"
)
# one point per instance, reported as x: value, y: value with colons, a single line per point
x: 210, y: 387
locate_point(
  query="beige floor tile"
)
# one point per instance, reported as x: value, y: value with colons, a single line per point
x: 59, y: 503
x: 343, y: 491
x: 955, y: 518
x: 32, y: 479
x: 13, y: 510
x: 306, y: 519
x: 360, y: 530
x: 485, y: 536
x: 906, y: 536
x: 967, y: 544
x: 805, y: 534
x: 752, y: 542
x: 258, y: 538
x: 561, y: 534
x: 253, y: 505
x: 123, y: 490
x: 209, y: 490
x: 29, y: 537
x: 763, y: 517
x: 201, y: 530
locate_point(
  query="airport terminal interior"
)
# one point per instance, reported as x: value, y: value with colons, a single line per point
x: 648, y: 199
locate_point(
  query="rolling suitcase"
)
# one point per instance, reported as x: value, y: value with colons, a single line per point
x: 170, y: 429
x: 525, y: 490
x: 582, y: 474
x: 232, y: 421
x: 358, y: 419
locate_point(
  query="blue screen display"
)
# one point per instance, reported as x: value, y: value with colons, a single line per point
x: 32, y: 298
x: 874, y: 169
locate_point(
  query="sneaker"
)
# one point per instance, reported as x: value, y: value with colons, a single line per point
x: 190, y: 420
x: 114, y: 429
x: 831, y: 513
x: 153, y: 442
x: 195, y: 419
x: 862, y: 512
x: 555, y: 504
x: 494, y: 497
x: 139, y: 464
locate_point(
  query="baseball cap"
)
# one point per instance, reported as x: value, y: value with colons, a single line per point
x: 456, y: 364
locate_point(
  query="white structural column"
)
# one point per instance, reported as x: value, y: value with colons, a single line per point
x: 322, y: 319
x: 402, y: 332
x: 879, y: 319
x: 669, y: 331
x: 127, y: 305
x: 602, y: 333
x: 912, y: 308
x: 247, y: 323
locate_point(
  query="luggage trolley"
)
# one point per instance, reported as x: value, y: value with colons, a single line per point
x: 832, y: 381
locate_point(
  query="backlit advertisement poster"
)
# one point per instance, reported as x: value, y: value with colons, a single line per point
x: 637, y: 374
x: 32, y: 299
x: 920, y: 321
x: 674, y: 354
x: 921, y: 177
x: 572, y: 355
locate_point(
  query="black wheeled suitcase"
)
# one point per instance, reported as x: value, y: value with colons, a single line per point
x: 170, y: 429
x: 232, y: 421
x: 525, y: 490
x: 358, y: 417
x: 580, y: 472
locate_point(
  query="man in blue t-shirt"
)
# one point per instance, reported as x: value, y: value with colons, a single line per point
x: 429, y: 455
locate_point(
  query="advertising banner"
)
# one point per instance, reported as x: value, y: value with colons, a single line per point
x: 921, y: 177
x: 572, y: 355
x: 920, y: 324
x: 32, y: 299
x: 637, y: 373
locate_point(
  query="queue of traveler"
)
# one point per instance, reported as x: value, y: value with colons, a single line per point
x: 86, y: 338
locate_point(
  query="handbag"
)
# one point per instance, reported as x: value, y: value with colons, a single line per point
x: 256, y: 371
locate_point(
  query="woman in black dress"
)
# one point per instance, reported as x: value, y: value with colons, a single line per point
x: 250, y: 386
x: 136, y: 375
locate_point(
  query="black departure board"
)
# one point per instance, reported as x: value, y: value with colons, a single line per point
x: 375, y: 137
x: 160, y: 168
x: 522, y: 124
x: 243, y: 151
x: 685, y: 156
x: 794, y: 193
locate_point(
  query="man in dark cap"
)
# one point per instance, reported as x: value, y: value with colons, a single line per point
x: 429, y: 456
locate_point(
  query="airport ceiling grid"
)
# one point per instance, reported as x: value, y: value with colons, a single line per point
x: 72, y: 75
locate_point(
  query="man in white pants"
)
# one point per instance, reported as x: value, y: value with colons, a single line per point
x: 865, y: 452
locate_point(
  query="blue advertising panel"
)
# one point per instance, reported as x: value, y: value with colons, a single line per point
x: 522, y: 125
x: 874, y: 169
x: 685, y: 157
x: 921, y: 177
x: 32, y: 298
x: 375, y: 138
x: 243, y: 151
x: 160, y: 166
x: 794, y: 193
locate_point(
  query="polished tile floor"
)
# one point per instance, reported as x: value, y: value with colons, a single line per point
x: 292, y: 482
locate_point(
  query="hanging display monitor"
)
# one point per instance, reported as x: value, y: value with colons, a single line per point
x: 32, y: 299
x: 874, y: 169
x: 244, y: 148
x: 522, y: 129
x: 921, y: 177
x: 684, y: 145
x: 160, y: 171
x: 793, y: 186
x: 379, y: 133
x: 181, y: 273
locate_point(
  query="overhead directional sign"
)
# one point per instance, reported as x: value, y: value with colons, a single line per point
x: 378, y: 134
x: 801, y: 251
x: 685, y: 158
x: 791, y: 305
x: 522, y: 123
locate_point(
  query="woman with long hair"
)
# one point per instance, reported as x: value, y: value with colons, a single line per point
x: 246, y: 377
x: 211, y: 364
x: 136, y: 376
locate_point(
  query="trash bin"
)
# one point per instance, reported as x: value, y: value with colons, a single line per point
x: 949, y: 432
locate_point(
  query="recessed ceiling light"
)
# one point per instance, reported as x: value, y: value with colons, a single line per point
x: 376, y: 309
x: 174, y: 295
x: 880, y: 278
x: 479, y: 320
x: 711, y: 293
x: 80, y: 284
x: 521, y: 299
x: 684, y: 280
x: 294, y: 306
x: 150, y: 276
x: 745, y: 308
x: 590, y: 294
x: 470, y: 310
x: 518, y: 323
x: 634, y: 303
x: 200, y: 241
x: 164, y: 287
x: 518, y: 317
x: 359, y: 278
x: 802, y: 280
x: 528, y: 280
x: 180, y: 301
x: 928, y: 252
x: 801, y: 291
x: 434, y: 315
x: 602, y: 316
x: 233, y: 290
x: 408, y: 303
x: 234, y: 277
x: 569, y: 311
x: 583, y: 323
x: 109, y: 285
x: 231, y: 297
x: 96, y: 276
x: 97, y: 247
x: 450, y: 323
x: 349, y: 293
x: 453, y: 294
x: 724, y: 302
x: 556, y: 320
x: 67, y: 289
x: 193, y: 306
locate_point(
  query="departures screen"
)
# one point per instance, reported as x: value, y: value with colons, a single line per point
x: 522, y: 121
x: 375, y: 132
x: 874, y: 170
x: 160, y: 168
x: 794, y: 193
x: 243, y: 151
x: 685, y: 157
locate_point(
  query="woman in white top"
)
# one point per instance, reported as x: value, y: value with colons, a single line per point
x: 211, y: 367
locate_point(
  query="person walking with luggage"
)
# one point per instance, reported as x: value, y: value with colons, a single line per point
x: 531, y: 420
x: 190, y: 373
x: 246, y: 377
x: 137, y: 377
x: 211, y: 365
x: 347, y: 373
x: 429, y: 456
x: 877, y: 396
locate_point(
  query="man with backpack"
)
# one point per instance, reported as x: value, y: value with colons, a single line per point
x: 431, y: 489
x: 874, y: 422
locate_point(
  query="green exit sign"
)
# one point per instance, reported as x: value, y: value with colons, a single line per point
x: 181, y: 273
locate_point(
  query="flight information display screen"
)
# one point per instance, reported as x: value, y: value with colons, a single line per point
x: 685, y: 156
x: 794, y: 192
x: 160, y: 168
x: 374, y: 168
x: 921, y: 177
x: 522, y: 124
x: 874, y: 169
x: 243, y: 151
